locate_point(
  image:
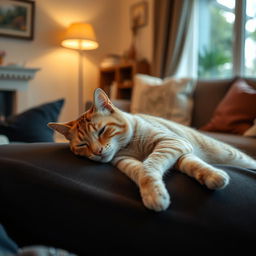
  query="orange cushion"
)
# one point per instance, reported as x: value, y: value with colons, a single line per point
x: 236, y: 112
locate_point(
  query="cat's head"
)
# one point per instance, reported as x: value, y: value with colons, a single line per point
x: 98, y: 133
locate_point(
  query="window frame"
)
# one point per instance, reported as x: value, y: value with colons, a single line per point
x: 239, y: 38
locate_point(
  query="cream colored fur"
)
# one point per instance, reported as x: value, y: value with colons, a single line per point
x: 145, y: 147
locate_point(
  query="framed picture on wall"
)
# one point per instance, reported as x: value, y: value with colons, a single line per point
x: 139, y: 14
x: 17, y: 19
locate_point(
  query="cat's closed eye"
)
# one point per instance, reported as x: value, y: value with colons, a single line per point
x: 102, y: 130
x: 82, y: 144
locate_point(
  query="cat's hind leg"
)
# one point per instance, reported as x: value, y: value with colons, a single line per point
x: 206, y: 174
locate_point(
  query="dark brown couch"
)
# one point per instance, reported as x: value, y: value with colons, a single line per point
x: 50, y: 196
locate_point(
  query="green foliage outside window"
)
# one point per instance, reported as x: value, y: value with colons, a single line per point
x: 219, y: 51
x: 211, y: 62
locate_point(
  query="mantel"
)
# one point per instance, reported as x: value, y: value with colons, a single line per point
x: 15, y: 78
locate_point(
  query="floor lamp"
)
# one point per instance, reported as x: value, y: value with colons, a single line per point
x: 80, y: 36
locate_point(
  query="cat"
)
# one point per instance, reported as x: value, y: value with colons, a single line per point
x: 144, y: 147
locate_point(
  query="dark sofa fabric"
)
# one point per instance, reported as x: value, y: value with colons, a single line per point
x: 50, y: 196
x: 7, y: 245
x: 9, y: 248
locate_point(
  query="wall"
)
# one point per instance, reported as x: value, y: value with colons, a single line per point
x: 144, y: 39
x: 59, y: 66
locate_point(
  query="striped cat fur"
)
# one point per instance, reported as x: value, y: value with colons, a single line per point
x: 145, y: 147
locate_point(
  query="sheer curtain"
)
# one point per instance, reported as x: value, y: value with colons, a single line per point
x: 175, y: 47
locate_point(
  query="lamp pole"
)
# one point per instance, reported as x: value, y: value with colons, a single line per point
x: 80, y: 36
x: 80, y: 80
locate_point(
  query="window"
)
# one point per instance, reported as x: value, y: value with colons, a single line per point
x: 250, y: 39
x: 227, y: 38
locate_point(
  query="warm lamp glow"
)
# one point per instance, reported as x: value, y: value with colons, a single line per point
x: 80, y: 36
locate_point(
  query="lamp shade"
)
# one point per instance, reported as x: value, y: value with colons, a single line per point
x: 80, y: 36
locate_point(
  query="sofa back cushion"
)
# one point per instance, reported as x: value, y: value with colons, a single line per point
x: 207, y: 96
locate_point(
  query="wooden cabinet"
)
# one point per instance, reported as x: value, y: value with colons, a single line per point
x: 117, y: 81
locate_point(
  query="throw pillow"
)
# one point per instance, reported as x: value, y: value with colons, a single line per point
x: 31, y: 125
x: 236, y: 112
x: 170, y: 98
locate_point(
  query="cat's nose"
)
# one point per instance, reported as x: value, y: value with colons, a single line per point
x: 98, y: 151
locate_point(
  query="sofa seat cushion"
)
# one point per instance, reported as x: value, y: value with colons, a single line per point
x: 246, y: 144
x: 51, y: 197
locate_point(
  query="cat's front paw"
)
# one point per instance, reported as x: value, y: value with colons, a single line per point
x: 155, y: 196
x: 217, y: 179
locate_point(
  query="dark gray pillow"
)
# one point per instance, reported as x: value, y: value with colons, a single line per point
x: 31, y: 125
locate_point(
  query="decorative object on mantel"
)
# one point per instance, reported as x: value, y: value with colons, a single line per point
x: 80, y: 36
x: 19, y: 64
x: 15, y: 78
x: 2, y: 55
x: 110, y: 60
x: 138, y: 19
x: 17, y: 19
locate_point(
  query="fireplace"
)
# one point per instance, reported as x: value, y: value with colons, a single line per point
x: 12, y: 79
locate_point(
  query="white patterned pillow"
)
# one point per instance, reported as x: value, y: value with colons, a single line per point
x: 170, y: 98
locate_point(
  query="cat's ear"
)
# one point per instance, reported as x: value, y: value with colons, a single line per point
x: 102, y: 102
x: 62, y: 128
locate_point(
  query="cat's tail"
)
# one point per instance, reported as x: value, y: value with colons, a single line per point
x: 222, y: 153
x: 239, y: 158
